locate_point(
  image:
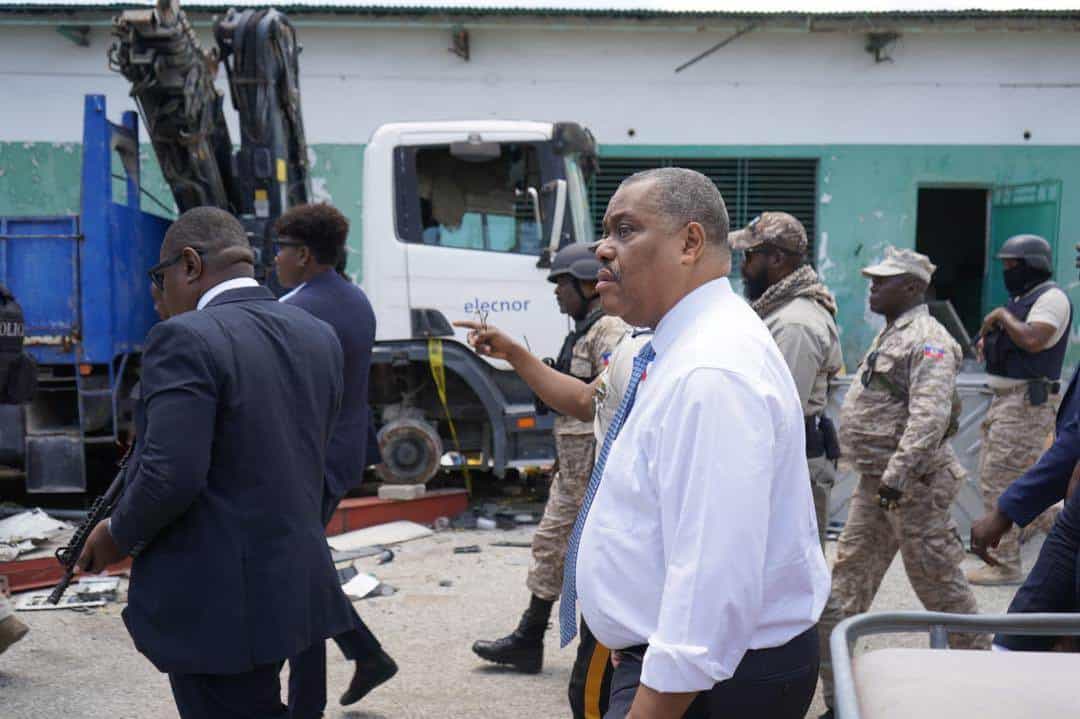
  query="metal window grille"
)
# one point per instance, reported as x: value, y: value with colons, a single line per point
x: 750, y: 186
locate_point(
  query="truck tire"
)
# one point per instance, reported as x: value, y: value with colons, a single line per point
x: 411, y: 451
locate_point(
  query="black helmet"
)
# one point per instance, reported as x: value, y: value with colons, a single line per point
x: 1032, y: 249
x: 576, y: 260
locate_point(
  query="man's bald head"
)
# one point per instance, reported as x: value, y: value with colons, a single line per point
x: 217, y: 233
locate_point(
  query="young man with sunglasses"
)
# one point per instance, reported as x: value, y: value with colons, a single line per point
x: 221, y: 511
x: 895, y: 425
x: 800, y: 312
x: 310, y: 245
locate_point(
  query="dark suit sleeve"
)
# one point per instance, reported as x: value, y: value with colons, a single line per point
x: 1046, y: 482
x: 180, y: 395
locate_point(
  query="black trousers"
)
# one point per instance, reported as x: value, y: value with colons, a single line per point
x: 307, y: 670
x: 590, y: 677
x: 1054, y: 582
x: 776, y: 683
x: 252, y: 695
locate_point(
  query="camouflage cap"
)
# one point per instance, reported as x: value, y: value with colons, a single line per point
x: 902, y: 262
x: 778, y: 229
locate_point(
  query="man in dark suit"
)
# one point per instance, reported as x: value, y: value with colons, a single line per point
x: 1054, y: 582
x: 310, y: 244
x: 223, y: 507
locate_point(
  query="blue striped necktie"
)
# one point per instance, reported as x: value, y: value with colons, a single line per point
x: 568, y: 602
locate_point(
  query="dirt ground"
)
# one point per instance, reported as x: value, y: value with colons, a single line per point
x: 84, y: 665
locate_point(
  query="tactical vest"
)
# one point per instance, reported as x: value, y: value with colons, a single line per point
x: 18, y: 371
x: 1005, y: 359
x: 566, y: 354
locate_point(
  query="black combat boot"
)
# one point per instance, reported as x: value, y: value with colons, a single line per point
x: 523, y: 649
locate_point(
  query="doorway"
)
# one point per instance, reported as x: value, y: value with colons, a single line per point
x: 951, y: 229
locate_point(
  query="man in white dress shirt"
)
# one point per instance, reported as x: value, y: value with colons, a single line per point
x: 696, y: 554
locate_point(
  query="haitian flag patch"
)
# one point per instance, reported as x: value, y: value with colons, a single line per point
x: 932, y: 352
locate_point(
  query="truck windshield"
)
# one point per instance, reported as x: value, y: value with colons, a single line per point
x: 578, y: 193
x: 478, y: 205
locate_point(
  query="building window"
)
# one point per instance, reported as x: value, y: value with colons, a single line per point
x: 750, y: 186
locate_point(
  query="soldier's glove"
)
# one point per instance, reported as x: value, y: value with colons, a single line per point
x: 889, y: 497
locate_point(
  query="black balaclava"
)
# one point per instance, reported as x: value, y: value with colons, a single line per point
x: 1022, y: 278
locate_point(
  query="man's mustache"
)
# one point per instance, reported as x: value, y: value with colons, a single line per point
x: 615, y: 275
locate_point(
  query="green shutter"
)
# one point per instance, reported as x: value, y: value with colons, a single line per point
x: 750, y: 186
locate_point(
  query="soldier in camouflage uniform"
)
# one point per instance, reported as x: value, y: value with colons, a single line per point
x: 894, y: 429
x: 800, y: 313
x: 584, y: 355
x: 1024, y: 344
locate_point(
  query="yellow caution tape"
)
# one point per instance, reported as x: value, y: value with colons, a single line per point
x: 438, y: 373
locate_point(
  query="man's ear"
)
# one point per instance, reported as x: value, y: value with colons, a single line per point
x: 303, y: 255
x: 193, y: 265
x: 695, y: 243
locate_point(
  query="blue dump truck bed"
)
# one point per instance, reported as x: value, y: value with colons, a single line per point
x: 81, y: 280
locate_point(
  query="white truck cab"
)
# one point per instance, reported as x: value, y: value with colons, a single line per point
x: 460, y: 220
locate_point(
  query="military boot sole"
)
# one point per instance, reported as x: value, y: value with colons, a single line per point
x: 524, y: 661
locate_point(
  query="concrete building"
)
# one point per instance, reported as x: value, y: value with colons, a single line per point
x: 943, y: 130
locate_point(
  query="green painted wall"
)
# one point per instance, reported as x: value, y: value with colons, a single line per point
x: 867, y: 198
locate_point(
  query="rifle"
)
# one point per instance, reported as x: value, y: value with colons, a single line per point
x: 102, y: 507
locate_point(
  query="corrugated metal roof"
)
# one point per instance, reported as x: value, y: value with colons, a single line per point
x: 608, y: 8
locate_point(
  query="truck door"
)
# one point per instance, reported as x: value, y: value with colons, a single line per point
x: 1030, y: 208
x: 478, y: 220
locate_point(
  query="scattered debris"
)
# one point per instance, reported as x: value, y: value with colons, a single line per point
x: 384, y: 590
x: 346, y: 573
x: 467, y: 549
x: 441, y: 524
x: 386, y: 557
x: 389, y: 533
x: 445, y: 583
x: 360, y: 586
x: 520, y: 545
x: 358, y: 553
x: 88, y: 592
x: 465, y: 520
x: 504, y: 522
x: 22, y: 533
x: 485, y: 523
x: 526, y: 518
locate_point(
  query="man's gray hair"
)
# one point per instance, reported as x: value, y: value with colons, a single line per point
x: 687, y: 196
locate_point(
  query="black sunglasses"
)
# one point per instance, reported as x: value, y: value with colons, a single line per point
x: 278, y: 244
x: 157, y: 272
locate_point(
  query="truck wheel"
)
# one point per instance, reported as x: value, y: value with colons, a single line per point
x: 411, y: 450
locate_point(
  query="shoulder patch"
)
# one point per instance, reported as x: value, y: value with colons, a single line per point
x: 934, y: 353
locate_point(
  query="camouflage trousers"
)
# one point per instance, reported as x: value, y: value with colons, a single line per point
x: 576, y: 453
x: 928, y: 542
x: 1014, y: 436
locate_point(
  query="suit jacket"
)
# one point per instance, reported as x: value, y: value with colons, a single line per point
x: 221, y: 507
x: 346, y: 308
x: 1045, y: 483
